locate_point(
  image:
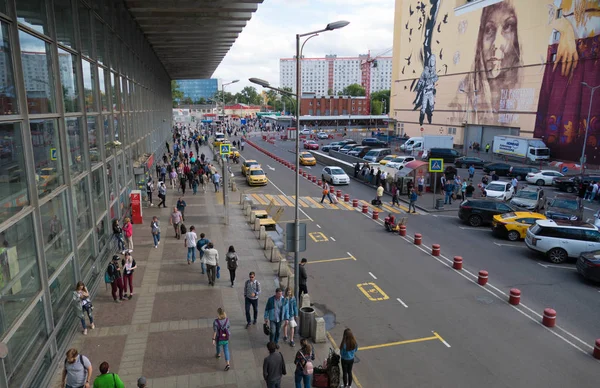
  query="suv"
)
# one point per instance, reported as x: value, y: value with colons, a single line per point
x: 572, y: 184
x: 532, y: 199
x: 559, y: 240
x: 479, y: 211
x: 377, y: 154
x: 373, y: 142
x: 565, y: 207
x: 448, y: 154
x: 327, y: 147
x: 359, y: 151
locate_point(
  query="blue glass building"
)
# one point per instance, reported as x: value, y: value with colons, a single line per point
x: 199, y: 88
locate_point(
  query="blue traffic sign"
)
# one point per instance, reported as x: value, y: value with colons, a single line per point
x: 225, y: 149
x: 436, y: 165
x: 564, y: 169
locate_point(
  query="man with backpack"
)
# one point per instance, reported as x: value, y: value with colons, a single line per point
x: 274, y: 315
x: 113, y: 276
x: 273, y: 367
x: 201, y: 243
x: 77, y: 370
x: 181, y: 207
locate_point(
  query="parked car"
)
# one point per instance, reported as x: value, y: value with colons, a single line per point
x: 529, y: 198
x: 335, y: 147
x: 347, y: 141
x: 500, y: 190
x: 448, y: 154
x: 359, y: 151
x: 481, y: 211
x: 322, y: 135
x: 467, y: 161
x: 565, y: 207
x: 559, y: 239
x: 501, y: 169
x: 305, y: 131
x: 335, y: 175
x: 521, y: 172
x: 345, y: 149
x: 387, y: 159
x: 248, y: 164
x: 513, y: 226
x: 543, y: 178
x: 400, y: 161
x: 572, y: 184
x: 377, y: 154
x: 588, y: 265
x: 374, y: 143
x: 311, y: 145
x: 327, y: 147
x: 255, y: 176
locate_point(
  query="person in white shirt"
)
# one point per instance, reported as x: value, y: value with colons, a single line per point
x: 595, y: 189
x: 211, y: 259
x: 190, y: 244
x: 514, y: 182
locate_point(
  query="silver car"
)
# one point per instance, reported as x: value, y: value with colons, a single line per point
x: 335, y: 175
x: 529, y: 199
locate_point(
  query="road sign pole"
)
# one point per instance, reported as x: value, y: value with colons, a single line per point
x: 434, y: 188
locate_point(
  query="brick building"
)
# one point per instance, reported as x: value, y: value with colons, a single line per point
x: 312, y: 105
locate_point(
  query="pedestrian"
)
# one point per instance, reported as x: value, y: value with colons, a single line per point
x: 77, y: 370
x: 163, y: 171
x: 129, y: 265
x: 487, y: 148
x: 162, y: 193
x: 221, y: 335
x: 409, y: 186
x: 232, y: 263
x: 201, y: 243
x: 273, y: 367
x: 211, y: 257
x: 326, y: 193
x: 395, y: 195
x: 356, y: 169
x: 514, y: 182
x: 175, y: 220
x: 173, y: 178
x: 181, y: 207
x: 304, y: 366
x: 348, y: 348
x: 463, y: 189
x: 469, y: 190
x: 157, y: 168
x: 251, y: 292
x: 471, y: 171
x: 155, y: 229
x: 420, y: 184
x: 449, y: 190
x: 141, y: 383
x: 83, y: 305
x: 595, y: 189
x: 484, y: 181
x: 443, y: 183
x: 495, y: 176
x: 290, y: 317
x: 118, y: 234
x: 379, y: 193
x: 149, y: 190
x: 413, y: 200
x: 107, y: 379
x: 182, y: 181
x: 128, y: 232
x: 203, y: 181
x: 302, y: 289
x: 378, y: 177
x: 216, y: 181
x: 114, y: 275
x: 274, y: 315
x: 195, y: 184
x: 190, y: 244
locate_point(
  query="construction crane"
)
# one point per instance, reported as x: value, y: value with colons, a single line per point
x: 365, y: 76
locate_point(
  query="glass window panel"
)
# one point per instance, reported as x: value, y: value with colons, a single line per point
x: 13, y: 183
x: 93, y: 140
x: 100, y: 53
x: 46, y: 155
x: 3, y: 7
x: 81, y: 208
x: 67, y: 64
x: 98, y: 195
x: 19, y: 276
x: 102, y: 84
x: 8, y: 94
x: 102, y: 233
x: 32, y: 13
x: 109, y: 146
x: 63, y: 14
x: 110, y: 49
x: 89, y: 87
x: 117, y: 128
x: 124, y: 135
x: 57, y: 240
x: 36, y: 57
x: 127, y: 167
x: 110, y: 174
x: 27, y: 342
x: 114, y: 211
x: 86, y: 256
x: 61, y: 291
x: 77, y: 161
x: 85, y: 27
x: 114, y: 86
x: 42, y: 371
x: 120, y: 173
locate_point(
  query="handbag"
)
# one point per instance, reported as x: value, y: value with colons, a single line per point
x: 325, y: 192
x: 266, y: 329
x: 293, y: 323
x: 218, y: 272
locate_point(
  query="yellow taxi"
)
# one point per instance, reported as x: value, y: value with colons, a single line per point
x: 306, y: 159
x: 387, y: 159
x: 219, y: 138
x: 233, y: 152
x: 248, y: 164
x: 255, y: 176
x: 513, y: 226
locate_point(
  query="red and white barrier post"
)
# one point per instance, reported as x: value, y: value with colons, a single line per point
x: 549, y: 317
x: 514, y: 296
x: 483, y: 278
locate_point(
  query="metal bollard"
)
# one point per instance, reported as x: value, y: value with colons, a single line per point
x: 549, y: 318
x: 355, y: 203
x: 365, y: 208
x: 418, y: 239
x: 402, y: 230
x: 515, y: 296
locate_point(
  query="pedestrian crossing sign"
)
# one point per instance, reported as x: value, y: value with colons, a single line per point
x: 225, y: 149
x: 436, y: 165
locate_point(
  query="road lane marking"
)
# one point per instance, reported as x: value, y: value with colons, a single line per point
x: 318, y: 226
x: 318, y: 237
x: 372, y: 291
x: 315, y: 204
x: 335, y: 347
x: 441, y: 339
x: 508, y: 245
x: 330, y: 260
x: 278, y: 189
x: 443, y: 215
x: 401, y: 302
x: 271, y: 168
x: 286, y: 221
x: 472, y: 228
x: 405, y: 342
x: 285, y: 199
x: 332, y: 239
x: 274, y: 199
x: 557, y: 266
x: 299, y: 202
x: 259, y: 199
x: 373, y: 276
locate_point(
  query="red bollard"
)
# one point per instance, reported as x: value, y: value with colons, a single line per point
x: 304, y: 174
x: 355, y: 203
x: 483, y: 278
x: 320, y: 183
x: 375, y: 215
x: 402, y: 230
x: 308, y: 176
x: 515, y: 296
x: 597, y: 349
x: 549, y: 319
x: 314, y: 179
x: 300, y: 171
x: 457, y: 265
x: 436, y: 250
x: 365, y: 209
x: 338, y: 194
x: 331, y: 190
x: 418, y: 239
x: 346, y: 197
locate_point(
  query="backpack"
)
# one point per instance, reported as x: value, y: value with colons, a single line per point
x: 82, y: 364
x: 148, y: 186
x: 308, y: 367
x: 108, y: 278
x: 222, y: 333
x: 183, y: 228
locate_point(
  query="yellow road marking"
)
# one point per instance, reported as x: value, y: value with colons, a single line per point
x: 300, y: 220
x: 259, y: 199
x: 274, y: 199
x: 299, y: 201
x: 390, y: 209
x: 412, y: 341
x: 318, y: 237
x: 286, y: 200
x: 330, y: 338
x: 328, y: 205
x: 317, y: 205
x: 372, y: 291
x: 219, y: 198
x: 330, y: 260
x: 345, y: 205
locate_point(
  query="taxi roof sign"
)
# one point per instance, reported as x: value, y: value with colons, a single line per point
x: 436, y: 165
x: 225, y: 149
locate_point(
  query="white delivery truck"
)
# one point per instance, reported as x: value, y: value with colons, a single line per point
x: 530, y: 149
x: 428, y: 142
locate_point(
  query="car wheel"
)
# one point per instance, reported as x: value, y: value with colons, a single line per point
x: 557, y: 255
x: 513, y: 235
x: 539, y: 182
x: 463, y: 165
x: 475, y: 221
x: 570, y: 189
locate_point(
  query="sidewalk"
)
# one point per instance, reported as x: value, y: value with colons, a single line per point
x: 165, y: 332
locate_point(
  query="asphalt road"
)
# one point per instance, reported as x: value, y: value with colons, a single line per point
x: 485, y: 340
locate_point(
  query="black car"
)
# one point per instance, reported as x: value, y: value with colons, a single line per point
x: 467, y: 161
x: 565, y: 207
x: 374, y: 143
x: 521, y: 172
x: 573, y: 183
x: 502, y: 169
x: 346, y: 142
x: 588, y: 265
x: 477, y: 212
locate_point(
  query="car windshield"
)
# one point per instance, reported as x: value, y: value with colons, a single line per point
x: 306, y: 155
x: 526, y: 194
x: 337, y: 171
x: 508, y: 215
x: 495, y: 187
x: 248, y: 164
x: 565, y: 204
x: 257, y: 172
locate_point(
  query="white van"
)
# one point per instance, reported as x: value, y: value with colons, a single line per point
x: 410, y: 143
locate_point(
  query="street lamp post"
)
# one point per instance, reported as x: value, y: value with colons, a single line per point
x: 587, y: 126
x: 223, y: 92
x: 329, y: 27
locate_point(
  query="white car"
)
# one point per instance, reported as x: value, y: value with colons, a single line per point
x: 400, y: 161
x: 305, y: 131
x: 543, y: 177
x: 500, y: 190
x: 322, y: 135
x: 335, y: 176
x: 559, y: 240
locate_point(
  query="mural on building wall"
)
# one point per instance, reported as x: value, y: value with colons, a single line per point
x: 573, y: 57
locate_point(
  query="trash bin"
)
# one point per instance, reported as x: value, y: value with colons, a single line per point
x: 307, y: 317
x: 439, y: 203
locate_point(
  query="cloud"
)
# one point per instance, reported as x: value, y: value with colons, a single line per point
x: 270, y: 35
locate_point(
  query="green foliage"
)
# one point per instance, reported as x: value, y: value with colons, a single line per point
x: 201, y: 101
x: 354, y: 90
x: 376, y: 107
x: 229, y: 98
x: 382, y: 95
x: 330, y: 92
x: 176, y: 94
x: 187, y: 101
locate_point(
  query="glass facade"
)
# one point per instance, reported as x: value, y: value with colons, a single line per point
x: 81, y: 93
x: 199, y: 88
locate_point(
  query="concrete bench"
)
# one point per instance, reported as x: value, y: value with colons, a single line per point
x: 268, y: 223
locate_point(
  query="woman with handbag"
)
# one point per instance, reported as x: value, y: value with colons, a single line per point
x: 128, y: 232
x: 326, y: 193
x: 155, y: 229
x: 348, y: 348
x: 83, y: 305
x: 290, y: 315
x: 129, y: 265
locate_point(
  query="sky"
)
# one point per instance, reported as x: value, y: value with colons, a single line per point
x: 271, y: 34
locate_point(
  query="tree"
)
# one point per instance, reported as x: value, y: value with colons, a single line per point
x: 187, y: 101
x: 201, y: 101
x: 228, y: 97
x: 354, y: 90
x: 249, y: 96
x: 330, y: 92
x: 176, y: 93
x: 382, y: 95
x: 376, y: 107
